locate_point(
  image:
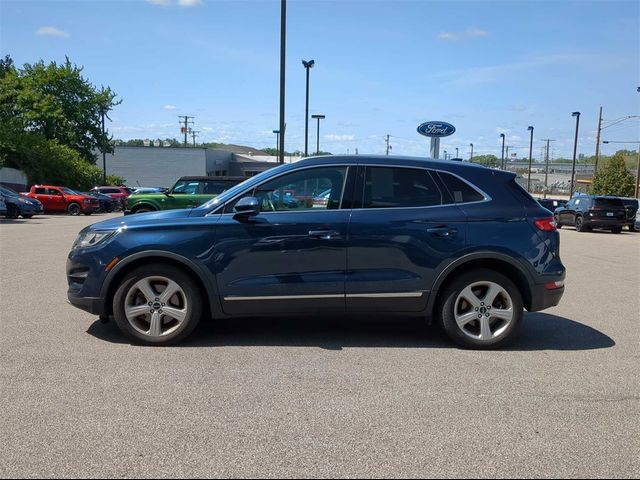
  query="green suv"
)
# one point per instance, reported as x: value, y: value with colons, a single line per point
x: 188, y: 192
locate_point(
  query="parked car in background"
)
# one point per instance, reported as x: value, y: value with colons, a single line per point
x: 119, y: 195
x: 56, y: 199
x: 592, y: 211
x: 107, y: 204
x: 141, y: 190
x: 631, y: 207
x: 3, y: 206
x: 455, y: 241
x: 551, y: 204
x: 188, y: 192
x: 17, y: 205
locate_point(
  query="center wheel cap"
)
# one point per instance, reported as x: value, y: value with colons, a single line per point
x: 157, y: 306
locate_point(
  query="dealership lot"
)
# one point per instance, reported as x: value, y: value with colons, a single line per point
x: 323, y: 397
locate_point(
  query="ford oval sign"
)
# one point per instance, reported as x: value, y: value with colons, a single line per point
x: 436, y: 129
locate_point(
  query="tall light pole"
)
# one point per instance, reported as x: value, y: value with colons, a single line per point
x: 283, y: 49
x: 308, y: 66
x: 530, y: 128
x: 471, y: 157
x: 277, y: 132
x: 445, y: 155
x: 104, y: 154
x: 318, y: 117
x: 575, y: 149
x: 502, y: 158
x: 457, y: 152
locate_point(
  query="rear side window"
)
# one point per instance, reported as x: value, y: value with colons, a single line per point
x: 387, y: 187
x: 461, y: 191
x: 40, y: 191
x: 607, y: 202
x: 216, y: 187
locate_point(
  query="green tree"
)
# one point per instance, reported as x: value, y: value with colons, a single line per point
x: 487, y: 160
x: 613, y: 178
x: 55, y: 102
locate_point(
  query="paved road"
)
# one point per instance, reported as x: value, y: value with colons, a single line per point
x: 323, y: 398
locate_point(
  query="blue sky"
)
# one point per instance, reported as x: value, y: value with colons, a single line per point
x: 382, y: 67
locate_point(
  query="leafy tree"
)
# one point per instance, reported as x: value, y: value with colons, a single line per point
x: 487, y: 160
x: 613, y: 178
x: 56, y: 102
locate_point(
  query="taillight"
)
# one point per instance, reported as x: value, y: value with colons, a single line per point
x: 546, y: 224
x: 554, y: 285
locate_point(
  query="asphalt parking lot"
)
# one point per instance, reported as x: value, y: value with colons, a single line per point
x: 335, y: 397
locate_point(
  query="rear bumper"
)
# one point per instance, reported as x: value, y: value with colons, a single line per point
x: 541, y: 298
x: 604, y: 222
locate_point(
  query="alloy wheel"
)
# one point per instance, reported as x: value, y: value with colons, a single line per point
x: 483, y: 311
x: 156, y: 306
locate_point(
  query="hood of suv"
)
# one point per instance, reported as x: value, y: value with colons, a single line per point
x: 142, y: 219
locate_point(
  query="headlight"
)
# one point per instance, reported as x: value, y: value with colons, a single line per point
x: 92, y: 239
x: 22, y: 200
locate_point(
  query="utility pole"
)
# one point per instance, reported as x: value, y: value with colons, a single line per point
x: 388, y: 146
x: 194, y: 134
x: 546, y: 168
x: 185, y: 126
x: 595, y: 167
x: 104, y: 155
x: 283, y: 49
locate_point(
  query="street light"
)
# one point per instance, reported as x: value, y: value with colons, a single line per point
x: 277, y: 132
x: 445, y: 155
x: 502, y: 159
x: 104, y: 155
x: 308, y: 66
x: 575, y: 149
x: 530, y: 128
x: 471, y: 157
x: 457, y: 152
x: 318, y: 117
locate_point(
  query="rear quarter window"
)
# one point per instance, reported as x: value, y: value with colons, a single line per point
x: 460, y: 191
x: 607, y: 202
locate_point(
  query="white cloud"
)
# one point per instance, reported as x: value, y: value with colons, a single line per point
x: 189, y: 3
x: 52, y: 32
x: 457, y: 36
x: 169, y: 107
x: 340, y: 138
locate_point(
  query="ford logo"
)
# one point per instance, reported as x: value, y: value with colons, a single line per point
x: 436, y: 129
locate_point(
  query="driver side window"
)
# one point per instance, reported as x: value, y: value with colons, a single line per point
x: 313, y: 189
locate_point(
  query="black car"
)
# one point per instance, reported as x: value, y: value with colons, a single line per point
x: 551, y: 203
x: 592, y: 211
x: 107, y: 204
x: 631, y: 206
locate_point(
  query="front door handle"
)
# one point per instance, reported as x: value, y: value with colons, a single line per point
x: 325, y: 234
x: 442, y: 231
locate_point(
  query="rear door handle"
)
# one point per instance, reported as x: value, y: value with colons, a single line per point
x: 442, y: 231
x: 325, y: 234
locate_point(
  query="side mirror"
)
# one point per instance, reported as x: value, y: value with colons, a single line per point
x: 247, y: 207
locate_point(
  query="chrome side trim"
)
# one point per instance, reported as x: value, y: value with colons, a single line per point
x: 284, y: 297
x: 312, y: 297
x: 386, y: 295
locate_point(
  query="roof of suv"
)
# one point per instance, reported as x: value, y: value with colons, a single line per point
x: 198, y: 179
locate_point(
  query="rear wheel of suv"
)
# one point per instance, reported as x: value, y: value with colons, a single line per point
x: 143, y: 209
x: 616, y: 230
x: 482, y: 309
x: 157, y: 305
x: 580, y: 227
x: 74, y: 209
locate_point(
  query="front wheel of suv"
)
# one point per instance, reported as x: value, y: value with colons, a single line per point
x: 580, y: 226
x: 157, y: 305
x: 482, y: 309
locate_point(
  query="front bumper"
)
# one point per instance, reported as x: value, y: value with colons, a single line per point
x: 93, y: 305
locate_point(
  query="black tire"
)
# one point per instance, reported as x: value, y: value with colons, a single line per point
x: 27, y: 216
x: 143, y: 209
x: 12, y: 211
x: 616, y: 230
x: 558, y: 224
x: 580, y: 227
x: 632, y: 228
x: 447, y: 307
x: 74, y: 209
x: 189, y: 288
x: 88, y: 213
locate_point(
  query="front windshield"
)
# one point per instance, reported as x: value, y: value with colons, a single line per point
x: 8, y: 192
x: 249, y: 182
x: 68, y: 191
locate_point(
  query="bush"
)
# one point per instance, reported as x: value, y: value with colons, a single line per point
x: 614, y: 179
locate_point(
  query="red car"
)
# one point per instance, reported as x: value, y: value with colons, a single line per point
x: 63, y: 199
x: 119, y: 194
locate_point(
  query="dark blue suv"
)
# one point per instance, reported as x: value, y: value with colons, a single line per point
x: 456, y: 242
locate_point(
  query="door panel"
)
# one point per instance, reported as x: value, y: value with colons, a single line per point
x: 291, y: 257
